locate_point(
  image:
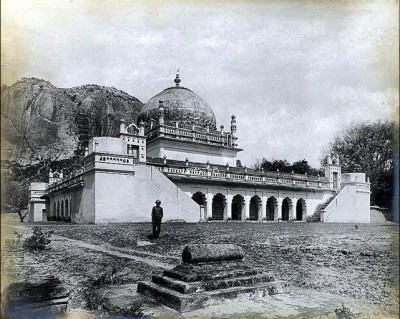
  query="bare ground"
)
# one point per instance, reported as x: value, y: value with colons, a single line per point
x: 325, y: 264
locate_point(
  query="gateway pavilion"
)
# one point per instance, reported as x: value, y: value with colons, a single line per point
x: 176, y: 153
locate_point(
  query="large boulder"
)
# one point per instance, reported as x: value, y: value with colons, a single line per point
x: 41, y: 122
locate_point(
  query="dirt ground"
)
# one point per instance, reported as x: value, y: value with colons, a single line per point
x: 357, y: 267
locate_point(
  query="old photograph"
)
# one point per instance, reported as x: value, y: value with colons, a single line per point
x: 199, y: 159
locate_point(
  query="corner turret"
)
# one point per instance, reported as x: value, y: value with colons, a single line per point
x: 333, y: 171
x: 233, y: 124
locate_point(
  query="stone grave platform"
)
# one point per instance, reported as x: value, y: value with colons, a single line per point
x: 36, y: 299
x: 209, y: 274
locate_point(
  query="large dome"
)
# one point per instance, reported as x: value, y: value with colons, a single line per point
x: 180, y: 105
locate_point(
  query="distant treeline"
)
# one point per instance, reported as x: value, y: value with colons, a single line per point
x: 299, y: 167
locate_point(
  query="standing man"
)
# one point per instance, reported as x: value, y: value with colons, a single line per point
x: 156, y: 216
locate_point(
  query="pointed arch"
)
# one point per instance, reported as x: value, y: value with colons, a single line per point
x: 62, y: 210
x: 237, y: 207
x: 132, y: 129
x: 218, y: 207
x: 67, y: 213
x: 58, y: 210
x: 54, y: 210
x: 255, y: 205
x: 301, y: 209
x: 272, y: 208
x: 286, y: 208
x: 199, y: 198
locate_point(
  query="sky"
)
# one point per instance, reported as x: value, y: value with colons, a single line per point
x: 295, y: 73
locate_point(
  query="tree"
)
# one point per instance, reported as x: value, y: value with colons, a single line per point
x: 302, y: 167
x: 15, y: 180
x: 281, y: 165
x: 15, y: 197
x: 368, y: 147
x: 299, y: 167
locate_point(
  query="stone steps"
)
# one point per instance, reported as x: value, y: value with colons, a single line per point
x: 317, y: 215
x: 173, y: 284
x: 209, y: 285
x: 209, y: 273
x: 187, y: 302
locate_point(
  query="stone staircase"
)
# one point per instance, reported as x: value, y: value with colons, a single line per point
x: 316, y: 217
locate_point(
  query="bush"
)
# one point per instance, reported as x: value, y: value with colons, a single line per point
x: 209, y: 219
x: 344, y: 313
x: 109, y: 277
x: 38, y: 241
x: 247, y: 220
x: 228, y: 220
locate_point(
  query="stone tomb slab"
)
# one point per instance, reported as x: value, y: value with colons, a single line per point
x: 34, y: 299
x: 197, y: 282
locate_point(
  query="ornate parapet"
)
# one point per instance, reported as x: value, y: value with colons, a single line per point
x: 194, y: 133
x: 74, y: 181
x: 243, y: 176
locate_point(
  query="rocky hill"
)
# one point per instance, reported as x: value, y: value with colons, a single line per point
x: 41, y: 122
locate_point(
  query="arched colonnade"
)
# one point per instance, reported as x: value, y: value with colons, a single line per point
x: 238, y: 207
x: 61, y: 209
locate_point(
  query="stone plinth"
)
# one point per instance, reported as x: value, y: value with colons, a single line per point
x: 191, y: 286
x: 37, y: 299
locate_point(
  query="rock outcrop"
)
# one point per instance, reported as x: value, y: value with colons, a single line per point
x: 41, y: 122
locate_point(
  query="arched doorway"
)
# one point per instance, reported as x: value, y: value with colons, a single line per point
x: 58, y: 211
x: 67, y: 215
x: 286, y: 208
x: 237, y: 207
x: 255, y: 204
x: 62, y: 210
x: 218, y: 207
x: 54, y: 216
x: 199, y: 198
x: 300, y: 209
x: 272, y: 203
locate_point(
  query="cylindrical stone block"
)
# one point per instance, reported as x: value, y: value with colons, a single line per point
x: 211, y: 252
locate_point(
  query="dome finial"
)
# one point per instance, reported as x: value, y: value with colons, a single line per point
x: 177, y: 79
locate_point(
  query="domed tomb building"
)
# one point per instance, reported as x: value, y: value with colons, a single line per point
x: 180, y: 125
x: 176, y: 153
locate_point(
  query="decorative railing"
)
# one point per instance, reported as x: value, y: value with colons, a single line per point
x: 76, y: 176
x: 253, y: 178
x: 38, y: 193
x: 199, y: 136
x: 117, y: 160
x: 69, y: 181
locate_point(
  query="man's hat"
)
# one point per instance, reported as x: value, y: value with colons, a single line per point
x: 158, y: 201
